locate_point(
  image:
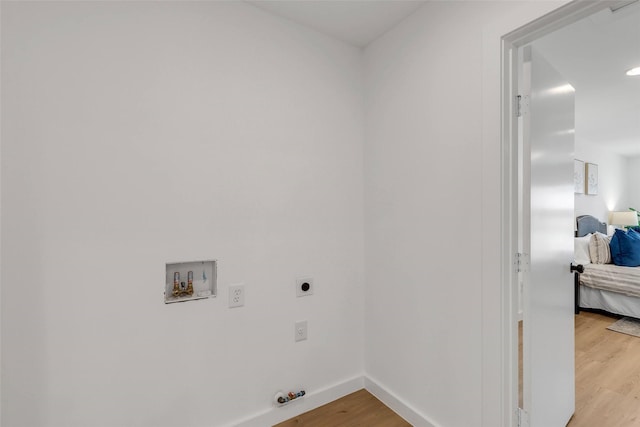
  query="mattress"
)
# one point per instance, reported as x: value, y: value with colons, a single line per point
x: 609, y: 301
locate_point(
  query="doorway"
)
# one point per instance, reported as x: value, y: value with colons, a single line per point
x: 515, y: 169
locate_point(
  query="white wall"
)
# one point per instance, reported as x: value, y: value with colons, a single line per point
x: 108, y: 101
x: 421, y: 193
x: 141, y: 133
x: 432, y: 209
x: 633, y: 182
x: 613, y: 189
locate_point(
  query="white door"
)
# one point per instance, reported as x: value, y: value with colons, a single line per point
x: 548, y: 327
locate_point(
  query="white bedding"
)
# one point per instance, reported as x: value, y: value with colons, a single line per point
x: 610, y: 277
x: 606, y: 287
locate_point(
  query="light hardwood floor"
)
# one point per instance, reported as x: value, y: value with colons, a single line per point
x: 359, y: 409
x: 607, y: 375
x: 607, y: 386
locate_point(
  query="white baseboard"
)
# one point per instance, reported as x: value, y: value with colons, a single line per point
x: 312, y: 400
x: 401, y: 408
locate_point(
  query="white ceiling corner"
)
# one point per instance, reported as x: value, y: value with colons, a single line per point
x: 357, y: 22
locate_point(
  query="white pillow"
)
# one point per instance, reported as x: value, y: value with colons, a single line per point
x: 581, y: 249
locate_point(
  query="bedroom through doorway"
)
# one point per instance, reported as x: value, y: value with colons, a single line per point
x: 592, y: 53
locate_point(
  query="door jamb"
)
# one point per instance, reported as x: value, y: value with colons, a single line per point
x: 511, y: 42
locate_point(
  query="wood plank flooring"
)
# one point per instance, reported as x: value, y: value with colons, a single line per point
x: 607, y: 374
x: 607, y: 386
x: 359, y: 409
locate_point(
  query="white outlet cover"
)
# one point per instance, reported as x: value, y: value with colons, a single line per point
x: 236, y: 295
x: 300, y: 331
x: 301, y: 281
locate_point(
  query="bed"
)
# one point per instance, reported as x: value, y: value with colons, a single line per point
x: 606, y: 287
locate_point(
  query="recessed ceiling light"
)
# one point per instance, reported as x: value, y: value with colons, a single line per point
x: 558, y: 90
x: 634, y: 72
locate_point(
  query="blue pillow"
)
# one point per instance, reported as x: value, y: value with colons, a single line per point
x: 625, y: 248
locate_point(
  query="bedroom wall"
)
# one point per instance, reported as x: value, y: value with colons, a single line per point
x: 633, y: 179
x: 613, y: 169
x: 432, y: 209
x: 139, y: 133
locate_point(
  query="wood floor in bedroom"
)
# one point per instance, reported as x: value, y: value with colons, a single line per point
x: 357, y: 409
x: 607, y: 374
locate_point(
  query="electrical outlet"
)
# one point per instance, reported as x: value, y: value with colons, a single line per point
x: 301, y: 331
x: 236, y: 295
x: 304, y: 286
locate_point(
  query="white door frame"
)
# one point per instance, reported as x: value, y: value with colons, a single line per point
x: 510, y: 192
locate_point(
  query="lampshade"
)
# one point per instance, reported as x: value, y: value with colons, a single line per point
x: 628, y: 218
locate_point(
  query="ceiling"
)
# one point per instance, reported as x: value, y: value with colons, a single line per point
x: 593, y: 55
x: 357, y: 22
